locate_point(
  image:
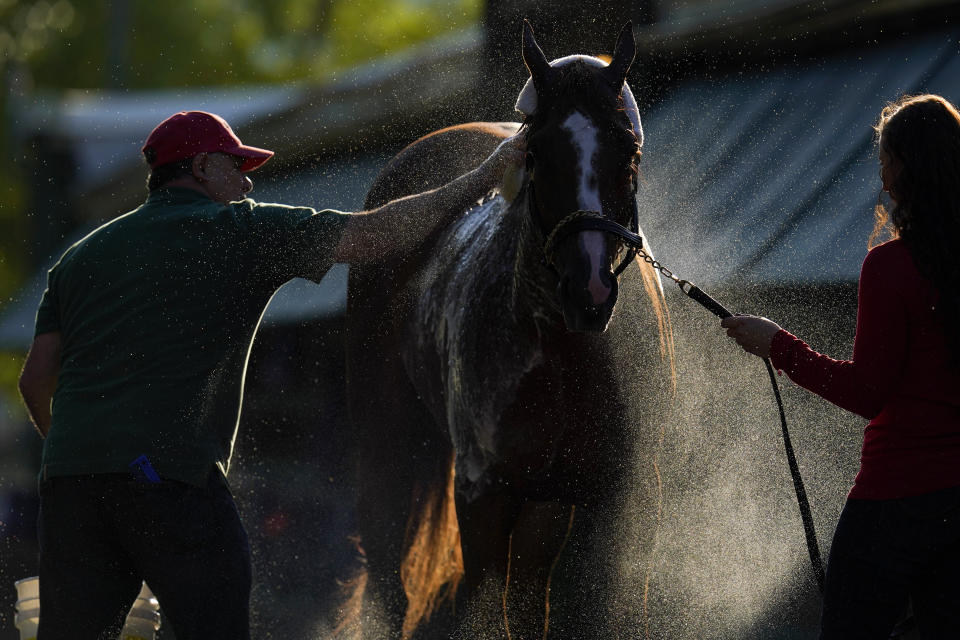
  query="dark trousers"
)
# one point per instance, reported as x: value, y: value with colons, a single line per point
x: 101, y: 535
x: 887, y: 553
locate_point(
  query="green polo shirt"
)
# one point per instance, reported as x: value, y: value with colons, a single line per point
x: 157, y: 310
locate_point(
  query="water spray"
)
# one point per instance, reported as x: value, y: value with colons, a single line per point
x: 806, y: 517
x: 594, y: 220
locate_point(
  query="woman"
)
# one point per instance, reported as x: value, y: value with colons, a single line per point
x: 899, y: 534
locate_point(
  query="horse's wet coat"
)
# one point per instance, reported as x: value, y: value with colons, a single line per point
x: 475, y: 333
x: 480, y: 339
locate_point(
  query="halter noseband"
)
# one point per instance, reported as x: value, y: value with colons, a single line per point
x: 586, y: 220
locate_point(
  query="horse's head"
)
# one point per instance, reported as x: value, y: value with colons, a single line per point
x: 583, y: 148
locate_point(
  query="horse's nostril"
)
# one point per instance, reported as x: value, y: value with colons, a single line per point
x: 599, y: 294
x: 601, y: 287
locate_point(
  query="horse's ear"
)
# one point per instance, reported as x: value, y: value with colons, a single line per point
x: 623, y: 55
x: 533, y: 56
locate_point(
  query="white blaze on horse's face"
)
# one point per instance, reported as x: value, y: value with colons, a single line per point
x: 583, y: 136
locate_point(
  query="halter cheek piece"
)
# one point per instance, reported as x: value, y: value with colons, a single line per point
x: 585, y: 220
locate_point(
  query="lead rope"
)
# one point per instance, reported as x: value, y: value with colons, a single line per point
x: 806, y: 516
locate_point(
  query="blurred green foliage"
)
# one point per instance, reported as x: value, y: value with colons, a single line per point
x: 147, y: 44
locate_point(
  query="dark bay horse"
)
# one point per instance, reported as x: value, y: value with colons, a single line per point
x: 507, y: 422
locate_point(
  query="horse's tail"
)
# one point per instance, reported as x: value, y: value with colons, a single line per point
x: 433, y: 563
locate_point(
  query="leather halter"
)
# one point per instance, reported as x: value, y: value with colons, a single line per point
x: 587, y: 220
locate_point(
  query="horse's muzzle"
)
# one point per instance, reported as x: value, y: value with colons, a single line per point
x: 581, y: 312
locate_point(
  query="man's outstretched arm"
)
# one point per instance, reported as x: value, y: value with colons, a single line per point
x: 399, y: 226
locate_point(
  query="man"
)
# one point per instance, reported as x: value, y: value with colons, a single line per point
x: 141, y: 345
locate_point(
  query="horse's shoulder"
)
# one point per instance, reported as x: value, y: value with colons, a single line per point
x: 437, y: 158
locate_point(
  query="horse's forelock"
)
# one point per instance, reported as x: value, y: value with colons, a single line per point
x: 527, y: 101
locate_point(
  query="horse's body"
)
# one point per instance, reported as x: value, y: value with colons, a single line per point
x: 495, y: 442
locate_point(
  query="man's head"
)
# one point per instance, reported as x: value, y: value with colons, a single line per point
x: 199, y: 150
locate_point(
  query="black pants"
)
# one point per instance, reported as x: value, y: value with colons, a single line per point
x: 888, y: 552
x: 101, y: 535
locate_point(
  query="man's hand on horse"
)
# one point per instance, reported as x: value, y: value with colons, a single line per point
x: 753, y: 333
x: 505, y: 164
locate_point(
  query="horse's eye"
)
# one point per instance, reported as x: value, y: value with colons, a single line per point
x: 530, y: 161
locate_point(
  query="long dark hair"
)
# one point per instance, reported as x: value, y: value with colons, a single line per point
x: 922, y: 135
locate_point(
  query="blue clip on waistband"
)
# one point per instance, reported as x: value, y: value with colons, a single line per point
x: 143, y: 470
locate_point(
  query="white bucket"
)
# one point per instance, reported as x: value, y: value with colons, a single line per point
x: 26, y: 622
x: 27, y: 608
x: 143, y: 620
x: 24, y: 604
x: 28, y: 588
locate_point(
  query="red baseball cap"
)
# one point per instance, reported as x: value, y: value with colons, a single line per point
x: 185, y: 134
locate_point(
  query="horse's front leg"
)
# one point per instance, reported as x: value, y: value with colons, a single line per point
x: 600, y: 583
x: 509, y: 548
x: 485, y: 526
x: 537, y: 540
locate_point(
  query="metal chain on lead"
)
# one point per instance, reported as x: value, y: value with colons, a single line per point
x: 656, y: 265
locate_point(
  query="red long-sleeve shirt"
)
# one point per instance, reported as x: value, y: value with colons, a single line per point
x: 899, y: 379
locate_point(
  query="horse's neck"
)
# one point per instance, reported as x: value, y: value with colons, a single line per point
x: 533, y: 294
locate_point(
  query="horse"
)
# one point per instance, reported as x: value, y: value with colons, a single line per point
x: 505, y: 423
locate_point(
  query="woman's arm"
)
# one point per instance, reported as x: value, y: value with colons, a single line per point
x: 861, y: 385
